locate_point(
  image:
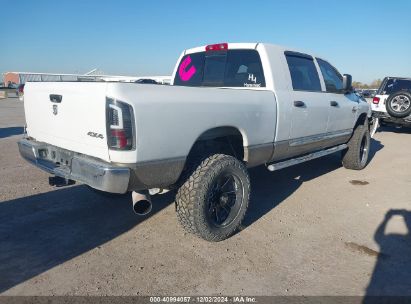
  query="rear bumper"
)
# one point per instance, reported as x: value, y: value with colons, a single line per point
x: 379, y: 114
x: 67, y: 164
x: 389, y: 119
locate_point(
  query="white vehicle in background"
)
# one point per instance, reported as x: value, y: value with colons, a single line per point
x: 20, y: 92
x: 392, y: 103
x: 139, y: 79
x: 229, y: 107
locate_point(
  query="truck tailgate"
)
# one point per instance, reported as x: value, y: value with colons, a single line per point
x: 76, y: 123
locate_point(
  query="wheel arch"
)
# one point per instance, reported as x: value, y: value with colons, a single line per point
x: 361, y: 119
x: 228, y: 139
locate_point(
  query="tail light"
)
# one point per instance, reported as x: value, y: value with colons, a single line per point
x: 217, y: 47
x: 376, y: 100
x: 120, y: 125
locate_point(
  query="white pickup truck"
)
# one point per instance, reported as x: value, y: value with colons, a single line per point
x: 229, y: 107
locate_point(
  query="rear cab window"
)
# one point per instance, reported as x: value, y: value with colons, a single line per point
x: 304, y: 75
x: 190, y: 70
x: 228, y: 68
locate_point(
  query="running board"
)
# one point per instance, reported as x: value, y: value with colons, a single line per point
x: 301, y: 159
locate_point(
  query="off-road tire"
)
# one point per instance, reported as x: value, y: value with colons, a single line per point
x: 399, y: 104
x: 193, y: 201
x: 355, y: 157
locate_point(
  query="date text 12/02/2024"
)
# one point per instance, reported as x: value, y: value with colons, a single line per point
x: 203, y: 299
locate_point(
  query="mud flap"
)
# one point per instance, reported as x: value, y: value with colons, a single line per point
x: 374, y: 125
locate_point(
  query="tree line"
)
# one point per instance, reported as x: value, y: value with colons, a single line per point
x: 375, y: 84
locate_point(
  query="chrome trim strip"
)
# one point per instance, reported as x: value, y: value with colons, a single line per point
x: 319, y: 137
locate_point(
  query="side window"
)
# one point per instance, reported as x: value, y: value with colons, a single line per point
x: 244, y: 69
x: 395, y: 85
x: 333, y: 80
x: 190, y: 70
x: 303, y: 72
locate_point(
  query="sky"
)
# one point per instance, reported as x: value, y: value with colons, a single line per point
x: 367, y: 39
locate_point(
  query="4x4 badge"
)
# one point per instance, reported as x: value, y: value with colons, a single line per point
x: 96, y: 135
x: 55, y: 109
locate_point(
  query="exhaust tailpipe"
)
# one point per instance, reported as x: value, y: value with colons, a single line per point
x: 141, y: 202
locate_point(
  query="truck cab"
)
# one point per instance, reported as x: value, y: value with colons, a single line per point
x: 316, y: 110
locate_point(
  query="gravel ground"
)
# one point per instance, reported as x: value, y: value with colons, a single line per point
x: 312, y: 229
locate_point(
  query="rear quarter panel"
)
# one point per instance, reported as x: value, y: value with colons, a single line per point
x: 169, y: 119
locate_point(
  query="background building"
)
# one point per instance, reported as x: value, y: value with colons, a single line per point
x: 10, y: 77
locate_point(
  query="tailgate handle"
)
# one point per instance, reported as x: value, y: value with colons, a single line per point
x: 56, y: 98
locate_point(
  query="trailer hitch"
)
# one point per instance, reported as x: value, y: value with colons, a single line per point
x: 58, y: 181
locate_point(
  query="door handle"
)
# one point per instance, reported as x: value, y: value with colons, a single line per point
x: 299, y: 104
x: 354, y: 109
x: 333, y: 103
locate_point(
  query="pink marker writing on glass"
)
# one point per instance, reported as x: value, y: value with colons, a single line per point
x: 185, y: 75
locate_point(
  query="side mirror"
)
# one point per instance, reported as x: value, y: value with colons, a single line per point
x: 347, y: 83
